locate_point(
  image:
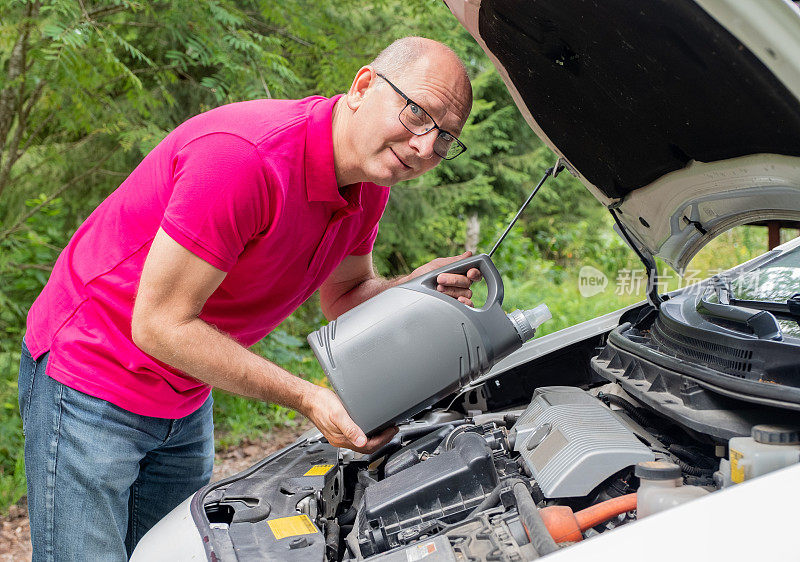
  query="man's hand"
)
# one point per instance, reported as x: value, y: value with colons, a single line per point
x: 326, y: 411
x: 452, y: 284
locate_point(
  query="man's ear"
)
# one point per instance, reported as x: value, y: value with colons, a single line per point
x: 358, y: 89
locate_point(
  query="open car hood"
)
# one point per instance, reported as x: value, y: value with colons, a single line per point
x: 683, y: 117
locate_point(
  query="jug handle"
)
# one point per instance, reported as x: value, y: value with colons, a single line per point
x: 482, y: 263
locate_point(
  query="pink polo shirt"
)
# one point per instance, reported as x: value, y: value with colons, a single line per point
x: 249, y: 188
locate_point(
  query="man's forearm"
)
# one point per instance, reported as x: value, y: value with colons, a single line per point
x: 199, y: 350
x: 361, y: 292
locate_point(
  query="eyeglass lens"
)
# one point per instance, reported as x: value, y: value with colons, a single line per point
x: 417, y: 121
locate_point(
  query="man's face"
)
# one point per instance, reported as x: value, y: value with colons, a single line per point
x: 387, y: 151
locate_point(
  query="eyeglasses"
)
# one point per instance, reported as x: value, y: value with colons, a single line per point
x: 418, y: 122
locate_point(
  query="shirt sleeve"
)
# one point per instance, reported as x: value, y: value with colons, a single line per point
x: 219, y: 200
x: 366, y: 245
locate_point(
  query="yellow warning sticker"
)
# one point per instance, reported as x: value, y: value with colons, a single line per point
x: 737, y: 472
x: 291, y: 526
x: 318, y: 470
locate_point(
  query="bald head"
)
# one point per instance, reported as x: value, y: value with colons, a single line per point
x: 408, y: 52
x: 372, y: 142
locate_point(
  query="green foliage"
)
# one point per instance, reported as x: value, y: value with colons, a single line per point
x: 12, y: 460
x: 731, y: 248
x: 23, y: 270
x: 86, y: 89
x: 237, y: 418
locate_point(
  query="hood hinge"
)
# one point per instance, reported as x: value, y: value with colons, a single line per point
x: 645, y: 256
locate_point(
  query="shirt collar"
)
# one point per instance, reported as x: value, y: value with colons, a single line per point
x: 319, y: 169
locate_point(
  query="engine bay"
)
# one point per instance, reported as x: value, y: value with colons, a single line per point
x: 584, y: 439
x: 462, y: 486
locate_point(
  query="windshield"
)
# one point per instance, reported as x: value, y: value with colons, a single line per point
x: 776, y: 281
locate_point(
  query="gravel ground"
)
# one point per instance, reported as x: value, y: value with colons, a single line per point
x: 15, y: 534
x: 15, y: 531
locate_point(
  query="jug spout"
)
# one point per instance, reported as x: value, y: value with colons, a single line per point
x: 526, y: 321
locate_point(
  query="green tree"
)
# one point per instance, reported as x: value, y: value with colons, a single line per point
x: 88, y: 88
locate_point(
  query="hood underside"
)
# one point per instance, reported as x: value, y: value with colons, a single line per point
x: 647, y: 100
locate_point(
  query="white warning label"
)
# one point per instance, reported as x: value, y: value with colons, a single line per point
x: 420, y: 551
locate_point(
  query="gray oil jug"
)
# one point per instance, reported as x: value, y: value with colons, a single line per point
x: 410, y: 346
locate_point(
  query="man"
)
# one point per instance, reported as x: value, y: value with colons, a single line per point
x: 227, y: 226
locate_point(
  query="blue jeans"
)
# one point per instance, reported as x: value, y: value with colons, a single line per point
x: 99, y: 476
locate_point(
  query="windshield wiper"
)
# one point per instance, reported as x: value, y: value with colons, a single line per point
x: 790, y: 307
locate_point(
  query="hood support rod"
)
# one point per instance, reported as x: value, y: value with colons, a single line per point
x: 649, y: 263
x: 553, y: 171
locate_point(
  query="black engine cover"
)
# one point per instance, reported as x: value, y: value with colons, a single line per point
x: 444, y: 487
